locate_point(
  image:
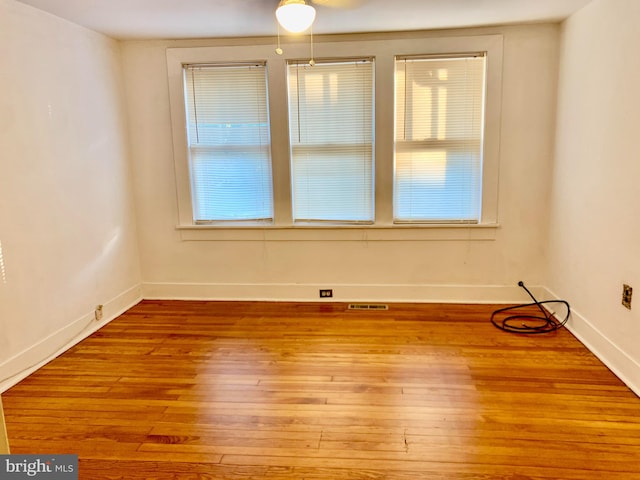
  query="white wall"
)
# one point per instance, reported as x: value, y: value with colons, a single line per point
x: 67, y: 226
x: 595, y: 227
x: 403, y: 269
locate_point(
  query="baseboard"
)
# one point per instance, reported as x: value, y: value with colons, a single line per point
x: 616, y: 360
x: 341, y: 293
x: 23, y: 364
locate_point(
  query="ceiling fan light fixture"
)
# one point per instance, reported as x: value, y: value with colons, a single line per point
x: 295, y: 16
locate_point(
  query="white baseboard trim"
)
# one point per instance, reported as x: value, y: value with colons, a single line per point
x: 25, y: 363
x: 618, y: 361
x: 341, y: 293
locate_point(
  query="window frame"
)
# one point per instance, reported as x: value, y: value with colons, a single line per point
x: 384, y: 51
x: 218, y: 150
x: 431, y: 144
x: 300, y: 69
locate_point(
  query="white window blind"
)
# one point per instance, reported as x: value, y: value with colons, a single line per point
x: 229, y: 142
x: 331, y: 125
x: 438, y: 138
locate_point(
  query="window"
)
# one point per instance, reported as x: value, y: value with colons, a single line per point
x: 331, y: 132
x: 229, y: 142
x: 383, y: 139
x: 438, y: 138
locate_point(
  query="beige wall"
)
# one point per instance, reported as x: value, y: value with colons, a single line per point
x: 67, y: 227
x: 461, y: 269
x: 595, y: 227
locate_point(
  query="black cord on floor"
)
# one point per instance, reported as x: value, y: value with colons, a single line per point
x: 529, y: 324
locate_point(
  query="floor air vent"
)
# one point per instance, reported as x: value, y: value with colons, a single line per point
x: 368, y: 306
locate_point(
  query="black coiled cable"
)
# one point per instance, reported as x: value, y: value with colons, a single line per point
x: 522, y: 323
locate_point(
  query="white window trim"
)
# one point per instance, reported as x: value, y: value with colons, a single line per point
x: 384, y: 52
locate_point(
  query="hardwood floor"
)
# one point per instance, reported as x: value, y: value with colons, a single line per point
x: 224, y: 390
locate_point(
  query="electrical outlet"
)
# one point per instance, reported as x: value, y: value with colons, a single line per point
x: 627, y: 291
x: 328, y: 293
x: 98, y: 312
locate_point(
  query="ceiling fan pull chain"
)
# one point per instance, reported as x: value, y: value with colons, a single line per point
x: 278, y: 49
x: 312, y: 62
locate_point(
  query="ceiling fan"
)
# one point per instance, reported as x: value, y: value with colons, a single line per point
x: 338, y: 3
x: 296, y: 16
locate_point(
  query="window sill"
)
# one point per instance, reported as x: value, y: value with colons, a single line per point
x: 345, y: 233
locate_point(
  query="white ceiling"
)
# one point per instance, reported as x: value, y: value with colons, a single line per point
x: 170, y: 19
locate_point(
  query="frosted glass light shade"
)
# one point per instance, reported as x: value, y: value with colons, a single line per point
x: 295, y: 16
